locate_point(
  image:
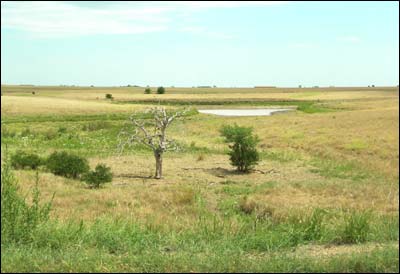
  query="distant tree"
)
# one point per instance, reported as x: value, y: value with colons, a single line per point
x: 299, y: 86
x: 147, y: 91
x: 109, y: 96
x: 160, y: 90
x: 243, y: 154
x: 152, y: 135
x: 373, y: 86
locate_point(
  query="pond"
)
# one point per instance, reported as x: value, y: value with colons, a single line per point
x: 244, y: 112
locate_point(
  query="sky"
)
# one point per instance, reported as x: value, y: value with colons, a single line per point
x: 227, y: 44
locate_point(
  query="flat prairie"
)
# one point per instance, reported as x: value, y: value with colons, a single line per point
x: 328, y: 173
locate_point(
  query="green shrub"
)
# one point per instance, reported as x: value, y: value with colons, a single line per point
x: 18, y: 218
x: 109, y: 96
x: 101, y: 175
x: 243, y: 154
x: 22, y: 160
x: 160, y: 90
x: 67, y: 165
x: 147, y: 91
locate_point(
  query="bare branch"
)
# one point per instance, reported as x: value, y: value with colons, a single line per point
x: 155, y: 139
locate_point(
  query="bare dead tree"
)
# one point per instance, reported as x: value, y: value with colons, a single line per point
x: 153, y: 136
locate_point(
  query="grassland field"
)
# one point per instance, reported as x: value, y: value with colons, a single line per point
x: 329, y: 172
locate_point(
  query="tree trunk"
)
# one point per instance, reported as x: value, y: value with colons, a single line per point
x: 158, y: 157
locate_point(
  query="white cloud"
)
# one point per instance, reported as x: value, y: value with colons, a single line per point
x: 303, y: 45
x: 63, y: 19
x: 60, y: 19
x: 203, y: 31
x: 222, y: 4
x: 351, y: 39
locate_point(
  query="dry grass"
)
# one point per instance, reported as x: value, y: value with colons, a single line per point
x: 254, y: 96
x: 205, y: 94
x: 133, y: 194
x: 328, y: 251
x: 37, y: 105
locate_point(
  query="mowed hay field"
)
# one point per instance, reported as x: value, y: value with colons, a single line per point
x: 324, y: 197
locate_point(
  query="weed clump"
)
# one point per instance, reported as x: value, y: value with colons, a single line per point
x: 62, y: 130
x: 356, y: 228
x: 201, y: 157
x: 67, y: 165
x: 7, y: 133
x: 96, y: 125
x: 250, y: 206
x: 50, y: 134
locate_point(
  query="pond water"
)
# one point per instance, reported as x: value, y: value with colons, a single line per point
x: 244, y: 112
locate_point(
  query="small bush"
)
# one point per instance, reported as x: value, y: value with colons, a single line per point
x: 22, y: 160
x: 160, y: 90
x: 147, y: 91
x: 67, y: 165
x: 243, y: 154
x: 109, y: 96
x: 101, y: 175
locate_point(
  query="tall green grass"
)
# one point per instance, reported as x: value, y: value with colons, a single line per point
x: 19, y: 219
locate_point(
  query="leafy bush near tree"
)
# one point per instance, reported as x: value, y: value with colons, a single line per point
x: 243, y: 155
x: 101, y: 175
x: 67, y: 165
